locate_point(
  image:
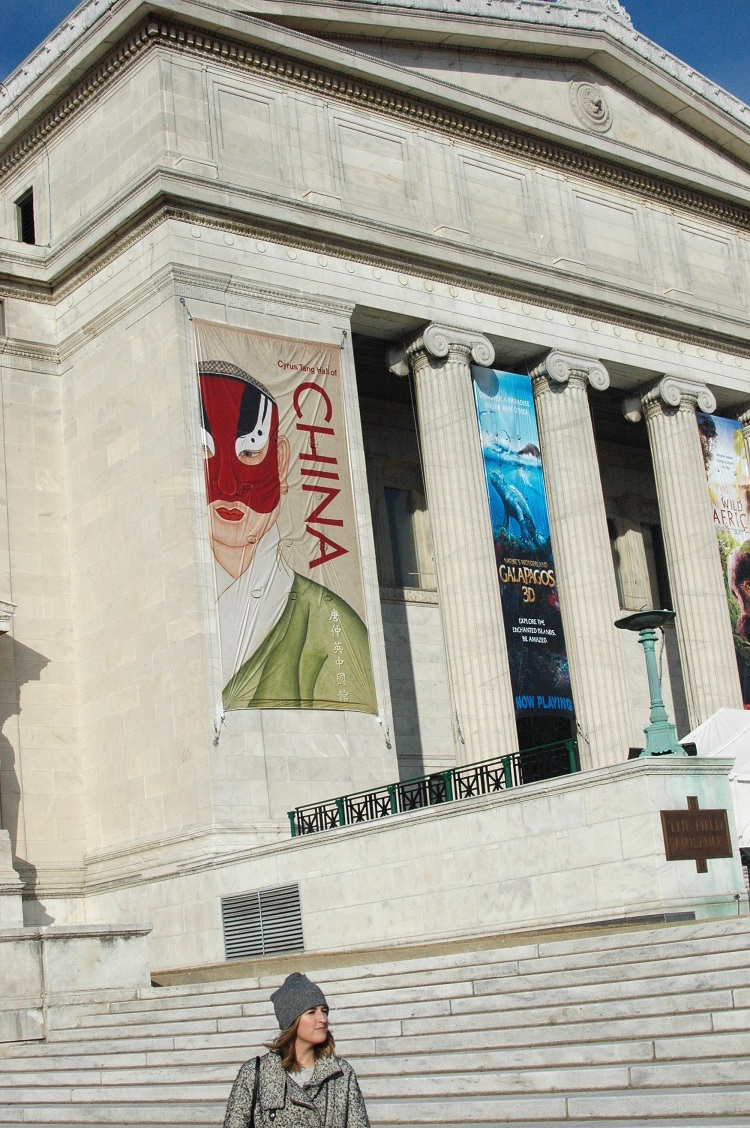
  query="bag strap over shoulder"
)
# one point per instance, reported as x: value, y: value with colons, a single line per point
x: 256, y: 1086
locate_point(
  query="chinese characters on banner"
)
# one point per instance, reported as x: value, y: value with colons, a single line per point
x: 729, y: 489
x: 281, y: 521
x: 523, y: 552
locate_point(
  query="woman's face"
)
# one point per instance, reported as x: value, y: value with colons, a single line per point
x: 313, y: 1026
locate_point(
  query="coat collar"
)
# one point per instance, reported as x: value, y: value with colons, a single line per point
x: 273, y: 1081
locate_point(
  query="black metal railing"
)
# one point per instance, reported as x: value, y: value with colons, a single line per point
x: 467, y: 782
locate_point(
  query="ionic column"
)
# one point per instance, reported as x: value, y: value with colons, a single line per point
x: 440, y: 359
x: 704, y: 632
x: 583, y: 559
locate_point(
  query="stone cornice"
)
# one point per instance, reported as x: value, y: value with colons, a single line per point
x: 6, y: 615
x: 205, y: 285
x: 479, y: 280
x: 99, y: 76
x: 561, y: 368
x: 678, y: 393
x: 532, y: 11
x: 181, y: 38
x: 13, y: 347
x: 438, y: 340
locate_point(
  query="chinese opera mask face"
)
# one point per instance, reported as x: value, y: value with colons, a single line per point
x: 245, y: 460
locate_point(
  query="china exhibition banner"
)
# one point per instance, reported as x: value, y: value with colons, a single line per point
x: 729, y: 489
x: 523, y: 552
x: 282, y: 524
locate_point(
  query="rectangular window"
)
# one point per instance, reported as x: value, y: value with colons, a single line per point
x: 616, y: 561
x: 658, y: 561
x: 25, y: 217
x: 409, y: 539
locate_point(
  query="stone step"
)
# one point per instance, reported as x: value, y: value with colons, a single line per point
x: 553, y: 1056
x: 607, y: 949
x: 628, y: 1107
x: 125, y: 1087
x: 654, y: 1031
x: 725, y: 972
x: 383, y: 1036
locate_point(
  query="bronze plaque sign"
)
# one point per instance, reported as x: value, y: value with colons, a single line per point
x: 693, y: 835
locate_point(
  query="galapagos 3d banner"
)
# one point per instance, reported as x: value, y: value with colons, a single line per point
x: 523, y: 551
x: 282, y: 526
x: 729, y: 489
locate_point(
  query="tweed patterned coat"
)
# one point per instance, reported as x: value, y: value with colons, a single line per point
x: 332, y: 1098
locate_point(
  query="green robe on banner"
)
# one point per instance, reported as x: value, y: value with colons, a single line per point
x: 316, y: 657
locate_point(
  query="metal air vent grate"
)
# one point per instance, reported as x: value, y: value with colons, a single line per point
x: 261, y: 924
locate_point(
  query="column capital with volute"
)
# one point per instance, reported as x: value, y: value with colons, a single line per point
x: 563, y: 368
x: 437, y: 340
x: 677, y: 392
x: 694, y: 566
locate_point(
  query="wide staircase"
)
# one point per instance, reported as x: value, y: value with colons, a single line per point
x: 643, y: 1026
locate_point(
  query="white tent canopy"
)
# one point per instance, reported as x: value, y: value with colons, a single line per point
x: 727, y: 733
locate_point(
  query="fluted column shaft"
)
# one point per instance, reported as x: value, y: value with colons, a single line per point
x: 583, y: 559
x: 704, y: 632
x: 440, y: 359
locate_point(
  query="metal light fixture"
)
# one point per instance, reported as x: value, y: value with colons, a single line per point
x: 661, y: 735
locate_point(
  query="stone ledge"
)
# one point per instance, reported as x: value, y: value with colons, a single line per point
x: 42, y: 962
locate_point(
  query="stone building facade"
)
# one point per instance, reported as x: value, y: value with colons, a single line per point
x: 532, y: 186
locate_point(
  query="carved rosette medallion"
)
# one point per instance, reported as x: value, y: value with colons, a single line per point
x: 590, y: 105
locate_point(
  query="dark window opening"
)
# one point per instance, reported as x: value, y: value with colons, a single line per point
x: 400, y: 507
x: 660, y: 567
x: 25, y: 212
x: 616, y: 562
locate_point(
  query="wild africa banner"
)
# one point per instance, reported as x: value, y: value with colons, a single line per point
x: 523, y: 552
x: 281, y: 518
x: 729, y: 489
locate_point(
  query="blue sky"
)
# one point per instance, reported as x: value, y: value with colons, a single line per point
x: 711, y: 35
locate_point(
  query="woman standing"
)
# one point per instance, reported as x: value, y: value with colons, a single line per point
x: 300, y: 1083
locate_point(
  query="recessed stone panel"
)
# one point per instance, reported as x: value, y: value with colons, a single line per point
x: 610, y: 234
x: 373, y: 167
x: 709, y: 263
x: 249, y: 131
x: 497, y: 202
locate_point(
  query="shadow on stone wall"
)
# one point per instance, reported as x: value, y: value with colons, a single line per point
x: 19, y: 664
x: 400, y: 664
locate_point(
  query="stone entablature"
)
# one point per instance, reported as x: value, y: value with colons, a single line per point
x: 552, y: 223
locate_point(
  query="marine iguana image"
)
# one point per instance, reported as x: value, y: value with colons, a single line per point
x: 517, y: 508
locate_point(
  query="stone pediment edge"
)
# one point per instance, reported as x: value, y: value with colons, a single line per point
x: 175, y: 36
x: 587, y: 64
x: 566, y: 16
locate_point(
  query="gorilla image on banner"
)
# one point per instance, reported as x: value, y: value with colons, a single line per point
x: 289, y: 588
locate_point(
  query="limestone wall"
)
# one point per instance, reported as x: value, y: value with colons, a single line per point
x: 573, y: 850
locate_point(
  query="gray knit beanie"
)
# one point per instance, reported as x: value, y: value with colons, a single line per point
x: 296, y: 995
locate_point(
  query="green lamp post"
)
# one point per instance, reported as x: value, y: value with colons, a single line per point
x: 661, y: 735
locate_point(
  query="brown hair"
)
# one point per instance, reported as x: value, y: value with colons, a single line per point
x: 284, y: 1046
